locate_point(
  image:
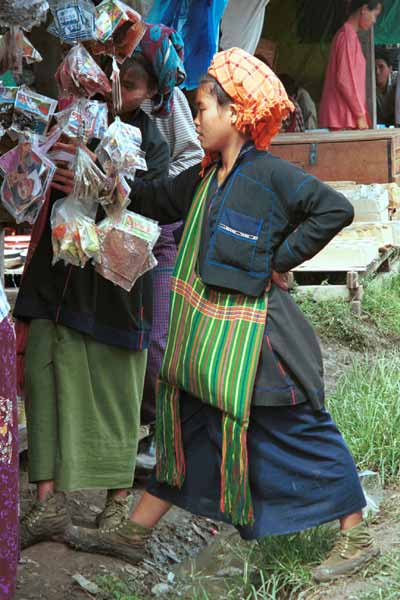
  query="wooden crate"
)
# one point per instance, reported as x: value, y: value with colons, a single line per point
x: 371, y: 156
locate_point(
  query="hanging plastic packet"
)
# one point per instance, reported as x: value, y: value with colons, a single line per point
x: 119, y: 29
x: 11, y: 54
x: 27, y: 175
x: 90, y: 181
x: 119, y: 150
x: 32, y: 112
x: 74, y: 20
x: 126, y: 244
x: 29, y: 52
x: 143, y: 227
x: 119, y: 198
x: 7, y: 103
x: 85, y: 119
x: 116, y: 87
x: 80, y: 75
x: 74, y: 232
x: 25, y: 13
x: 14, y: 48
x: 124, y: 257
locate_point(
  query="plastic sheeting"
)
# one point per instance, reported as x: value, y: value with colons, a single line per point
x: 198, y: 22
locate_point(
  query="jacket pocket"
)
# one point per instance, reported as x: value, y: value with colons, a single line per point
x: 236, y: 239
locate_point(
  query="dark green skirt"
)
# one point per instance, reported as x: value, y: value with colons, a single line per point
x: 83, y: 408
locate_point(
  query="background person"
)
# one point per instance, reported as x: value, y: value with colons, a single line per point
x: 386, y: 84
x: 86, y: 354
x: 175, y: 122
x: 344, y: 97
x: 9, y: 459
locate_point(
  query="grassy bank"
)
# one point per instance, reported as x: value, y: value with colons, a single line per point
x: 379, y: 322
x: 366, y: 407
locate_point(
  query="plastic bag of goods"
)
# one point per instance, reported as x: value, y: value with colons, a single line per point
x: 79, y: 75
x: 120, y: 150
x: 126, y: 245
x: 32, y: 112
x: 74, y: 20
x: 27, y: 176
x: 7, y: 103
x: 119, y: 29
x: 85, y: 119
x: 73, y: 233
x: 14, y: 48
x: 90, y: 183
x: 119, y: 198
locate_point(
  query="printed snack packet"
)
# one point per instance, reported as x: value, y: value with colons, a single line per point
x: 27, y: 175
x: 74, y: 20
x: 79, y: 74
x: 126, y: 243
x: 32, y: 112
x: 14, y: 47
x: 90, y: 181
x: 119, y: 29
x: 74, y: 232
x: 119, y: 150
x: 124, y: 257
x: 118, y: 199
x: 7, y: 103
x: 85, y: 119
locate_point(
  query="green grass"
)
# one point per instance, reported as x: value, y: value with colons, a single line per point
x: 278, y: 568
x: 385, y: 585
x: 380, y: 318
x: 114, y: 588
x: 366, y: 407
x: 381, y: 304
x: 286, y: 563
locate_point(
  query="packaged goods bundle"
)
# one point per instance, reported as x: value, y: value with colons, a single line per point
x: 32, y: 112
x: 74, y: 232
x: 126, y: 246
x: 84, y: 119
x: 80, y: 76
x: 27, y: 175
x: 74, y: 20
x: 120, y: 150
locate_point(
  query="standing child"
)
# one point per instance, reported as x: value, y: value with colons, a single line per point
x: 242, y: 432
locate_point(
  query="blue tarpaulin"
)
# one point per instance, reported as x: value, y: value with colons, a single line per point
x: 198, y: 23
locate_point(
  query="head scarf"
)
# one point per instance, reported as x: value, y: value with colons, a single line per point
x: 163, y: 48
x: 258, y: 94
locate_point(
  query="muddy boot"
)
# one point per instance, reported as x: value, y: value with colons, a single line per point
x: 116, y: 510
x: 127, y: 541
x: 351, y: 552
x: 45, y: 521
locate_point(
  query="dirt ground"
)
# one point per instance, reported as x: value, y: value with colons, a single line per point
x: 182, y: 543
x: 46, y: 570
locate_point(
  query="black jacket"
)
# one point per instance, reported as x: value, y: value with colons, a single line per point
x: 267, y: 215
x: 82, y: 299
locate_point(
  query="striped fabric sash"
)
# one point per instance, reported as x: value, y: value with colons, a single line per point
x: 213, y: 348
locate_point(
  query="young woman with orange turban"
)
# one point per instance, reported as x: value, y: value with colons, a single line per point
x: 242, y: 432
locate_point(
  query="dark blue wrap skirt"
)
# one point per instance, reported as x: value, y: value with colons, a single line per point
x: 301, y: 471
